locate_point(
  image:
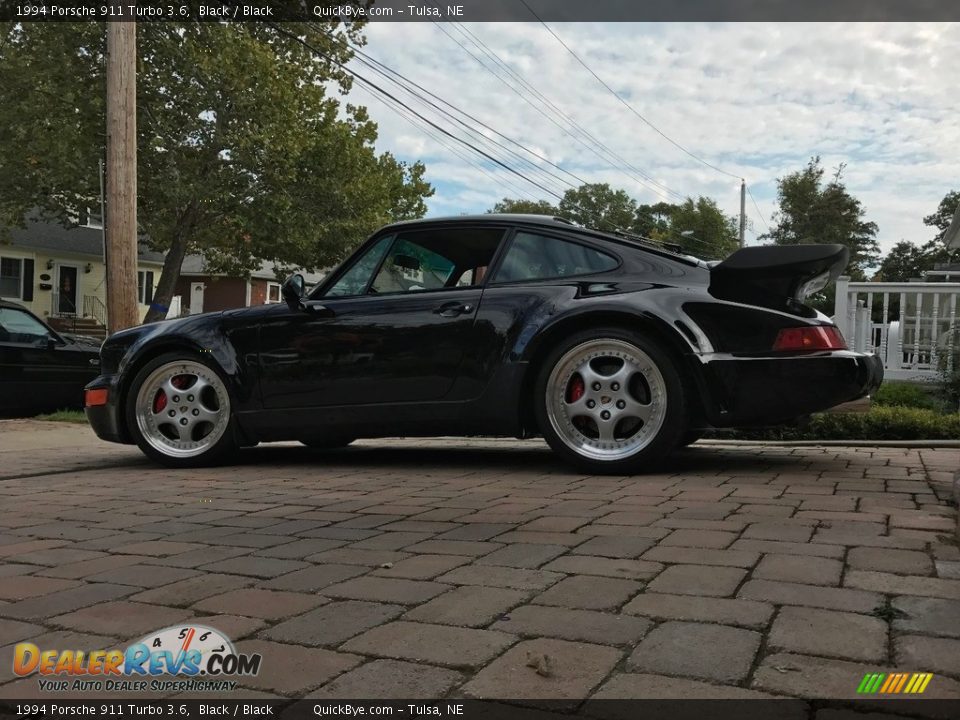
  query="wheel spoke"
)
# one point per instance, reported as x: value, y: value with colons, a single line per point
x: 637, y: 410
x: 205, y: 415
x: 623, y: 375
x: 606, y: 428
x: 590, y: 376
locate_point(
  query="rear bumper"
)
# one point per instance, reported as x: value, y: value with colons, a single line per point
x: 756, y: 391
x: 105, y: 419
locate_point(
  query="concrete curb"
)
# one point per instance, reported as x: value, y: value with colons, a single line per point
x: 956, y: 499
x: 838, y: 443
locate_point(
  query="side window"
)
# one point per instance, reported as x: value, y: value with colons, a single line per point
x: 354, y: 281
x: 19, y: 327
x: 410, y: 267
x: 536, y: 257
x: 437, y: 259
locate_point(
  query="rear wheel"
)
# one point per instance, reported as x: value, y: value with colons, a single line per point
x: 179, y: 412
x: 610, y: 401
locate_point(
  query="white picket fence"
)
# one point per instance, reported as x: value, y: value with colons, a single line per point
x: 913, y: 327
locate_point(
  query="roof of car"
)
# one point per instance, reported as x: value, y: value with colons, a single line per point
x: 525, y: 218
x: 10, y: 304
x: 557, y: 223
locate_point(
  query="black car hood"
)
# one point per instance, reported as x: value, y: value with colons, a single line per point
x: 84, y: 341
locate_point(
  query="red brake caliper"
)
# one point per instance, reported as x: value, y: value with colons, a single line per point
x: 575, y: 389
x: 159, y: 402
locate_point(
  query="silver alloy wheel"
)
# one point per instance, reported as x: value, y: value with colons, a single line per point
x: 606, y: 399
x: 182, y: 409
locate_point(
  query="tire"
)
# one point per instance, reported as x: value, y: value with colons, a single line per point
x: 638, y: 414
x: 690, y: 437
x: 327, y: 443
x: 179, y: 412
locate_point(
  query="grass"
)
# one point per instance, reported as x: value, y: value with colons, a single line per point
x: 68, y: 416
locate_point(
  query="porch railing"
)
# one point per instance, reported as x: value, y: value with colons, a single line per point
x: 93, y: 307
x: 913, y: 326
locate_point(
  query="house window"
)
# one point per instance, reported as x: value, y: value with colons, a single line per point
x: 11, y: 278
x: 145, y: 286
x: 273, y: 292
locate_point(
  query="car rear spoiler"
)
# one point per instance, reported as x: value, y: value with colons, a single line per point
x: 777, y: 276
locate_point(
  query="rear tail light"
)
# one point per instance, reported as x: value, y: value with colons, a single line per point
x: 811, y: 337
x: 95, y: 397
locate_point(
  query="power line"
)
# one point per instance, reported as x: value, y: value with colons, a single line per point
x: 383, y: 92
x: 446, y: 143
x: 769, y: 230
x: 378, y: 91
x: 610, y: 155
x: 405, y: 83
x: 624, y: 102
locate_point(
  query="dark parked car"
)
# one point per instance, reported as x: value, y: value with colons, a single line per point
x: 41, y: 370
x: 616, y: 351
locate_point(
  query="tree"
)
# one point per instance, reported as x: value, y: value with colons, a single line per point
x: 713, y: 233
x: 600, y: 206
x: 944, y: 215
x: 530, y: 207
x: 245, y: 153
x: 653, y: 221
x: 811, y: 211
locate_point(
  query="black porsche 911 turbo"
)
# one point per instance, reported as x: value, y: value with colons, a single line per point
x: 614, y: 350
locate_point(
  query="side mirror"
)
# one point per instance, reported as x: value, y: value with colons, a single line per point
x: 293, y: 290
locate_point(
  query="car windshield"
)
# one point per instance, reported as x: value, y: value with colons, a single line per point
x: 20, y: 327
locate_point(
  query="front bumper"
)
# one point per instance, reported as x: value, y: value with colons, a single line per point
x: 756, y: 391
x: 105, y: 419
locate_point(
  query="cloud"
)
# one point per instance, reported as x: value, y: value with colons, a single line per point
x: 756, y: 99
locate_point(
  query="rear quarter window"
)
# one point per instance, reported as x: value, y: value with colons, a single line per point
x: 539, y: 257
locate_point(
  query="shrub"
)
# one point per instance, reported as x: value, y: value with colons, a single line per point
x: 880, y: 423
x: 904, y: 394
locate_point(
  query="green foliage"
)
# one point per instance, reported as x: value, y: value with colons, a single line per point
x: 712, y: 234
x: 903, y: 394
x: 907, y: 261
x: 527, y: 207
x: 599, y: 205
x: 244, y: 150
x: 944, y: 214
x: 880, y: 423
x: 812, y: 211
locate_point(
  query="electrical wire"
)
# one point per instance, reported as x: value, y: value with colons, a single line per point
x: 759, y: 212
x: 624, y: 102
x: 607, y: 155
x: 410, y: 113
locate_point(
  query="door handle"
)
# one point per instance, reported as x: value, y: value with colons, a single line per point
x: 453, y: 309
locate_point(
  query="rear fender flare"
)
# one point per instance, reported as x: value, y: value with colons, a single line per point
x: 672, y: 339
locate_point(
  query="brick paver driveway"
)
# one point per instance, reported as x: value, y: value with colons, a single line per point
x: 458, y: 568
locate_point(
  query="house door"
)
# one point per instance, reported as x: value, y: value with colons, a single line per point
x: 67, y: 290
x: 196, y: 298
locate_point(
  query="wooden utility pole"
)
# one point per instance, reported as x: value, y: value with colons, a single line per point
x: 743, y: 210
x: 120, y: 223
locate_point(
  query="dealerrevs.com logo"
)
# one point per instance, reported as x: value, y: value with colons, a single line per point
x: 193, y: 651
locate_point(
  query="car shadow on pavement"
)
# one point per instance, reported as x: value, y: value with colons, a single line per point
x: 533, y: 457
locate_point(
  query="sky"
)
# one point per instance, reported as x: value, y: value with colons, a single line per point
x: 756, y: 100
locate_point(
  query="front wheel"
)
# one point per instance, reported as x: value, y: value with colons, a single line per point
x: 610, y: 401
x: 179, y: 412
